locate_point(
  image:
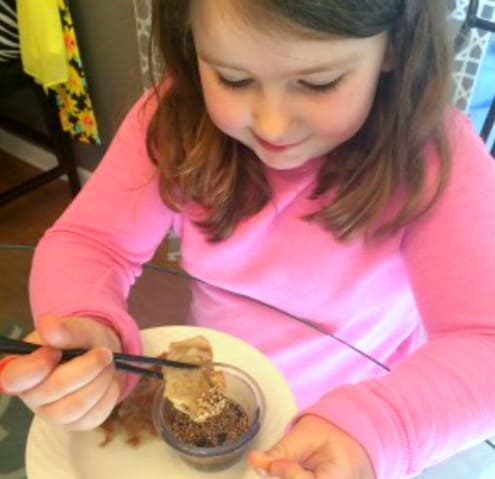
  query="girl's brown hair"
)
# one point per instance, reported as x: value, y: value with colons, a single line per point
x: 200, y: 165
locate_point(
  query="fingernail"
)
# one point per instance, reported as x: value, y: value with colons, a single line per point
x: 105, y: 354
x: 261, y: 472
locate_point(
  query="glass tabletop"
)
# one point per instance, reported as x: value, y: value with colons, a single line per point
x: 165, y: 296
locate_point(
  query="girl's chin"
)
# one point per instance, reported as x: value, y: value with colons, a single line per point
x: 283, y: 167
x: 279, y: 162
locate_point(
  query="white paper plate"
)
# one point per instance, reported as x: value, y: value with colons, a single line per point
x: 55, y: 453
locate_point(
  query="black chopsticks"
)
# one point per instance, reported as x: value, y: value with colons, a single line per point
x: 15, y: 346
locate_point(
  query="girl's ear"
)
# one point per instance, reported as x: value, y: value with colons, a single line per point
x: 388, y: 62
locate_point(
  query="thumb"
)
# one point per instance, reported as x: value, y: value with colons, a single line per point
x: 281, y: 460
x: 263, y: 459
x: 291, y: 455
x: 52, y: 331
x: 73, y: 332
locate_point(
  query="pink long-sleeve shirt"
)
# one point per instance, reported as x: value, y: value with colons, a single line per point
x: 421, y: 302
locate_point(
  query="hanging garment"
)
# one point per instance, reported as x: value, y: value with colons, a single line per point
x: 75, y: 107
x: 42, y: 41
x: 50, y: 54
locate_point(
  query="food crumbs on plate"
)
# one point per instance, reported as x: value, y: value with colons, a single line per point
x: 132, y: 417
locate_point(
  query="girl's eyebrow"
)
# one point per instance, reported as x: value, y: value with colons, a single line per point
x: 307, y: 71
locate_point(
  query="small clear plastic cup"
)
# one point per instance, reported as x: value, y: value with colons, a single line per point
x: 241, y: 388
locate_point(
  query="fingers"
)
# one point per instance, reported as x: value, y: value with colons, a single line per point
x: 286, y: 469
x: 100, y: 411
x: 70, y: 377
x: 314, y: 449
x: 259, y: 461
x: 26, y: 372
x: 85, y: 408
x: 33, y: 337
x: 3, y: 364
x: 283, y: 460
x: 79, y: 394
x: 267, y: 466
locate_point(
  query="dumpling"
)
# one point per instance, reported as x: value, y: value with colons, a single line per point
x: 190, y: 390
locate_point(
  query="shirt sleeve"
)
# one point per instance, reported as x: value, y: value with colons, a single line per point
x: 440, y: 399
x: 87, y: 261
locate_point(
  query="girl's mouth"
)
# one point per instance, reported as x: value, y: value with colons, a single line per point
x: 276, y: 148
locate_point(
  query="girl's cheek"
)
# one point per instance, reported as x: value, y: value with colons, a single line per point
x: 340, y: 125
x: 225, y: 108
x: 225, y: 112
x: 340, y: 116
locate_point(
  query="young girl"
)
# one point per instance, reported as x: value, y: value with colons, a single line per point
x: 305, y: 154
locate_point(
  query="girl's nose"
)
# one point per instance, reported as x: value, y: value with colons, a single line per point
x: 270, y: 119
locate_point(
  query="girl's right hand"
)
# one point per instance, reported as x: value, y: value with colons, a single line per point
x: 79, y: 394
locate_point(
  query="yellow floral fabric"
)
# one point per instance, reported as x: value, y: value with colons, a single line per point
x: 50, y: 54
x: 75, y: 107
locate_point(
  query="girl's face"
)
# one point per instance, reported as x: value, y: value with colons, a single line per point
x: 288, y: 99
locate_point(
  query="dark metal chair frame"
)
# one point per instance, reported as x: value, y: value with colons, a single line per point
x: 13, y: 78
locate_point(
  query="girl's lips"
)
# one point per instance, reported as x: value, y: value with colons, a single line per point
x: 272, y: 147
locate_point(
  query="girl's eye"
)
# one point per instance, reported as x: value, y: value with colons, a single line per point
x: 314, y: 87
x: 321, y: 87
x: 234, y: 84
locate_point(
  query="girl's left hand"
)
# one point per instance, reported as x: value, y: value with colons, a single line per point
x: 314, y: 449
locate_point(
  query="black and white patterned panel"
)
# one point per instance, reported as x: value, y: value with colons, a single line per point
x: 470, y: 57
x: 142, y: 10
